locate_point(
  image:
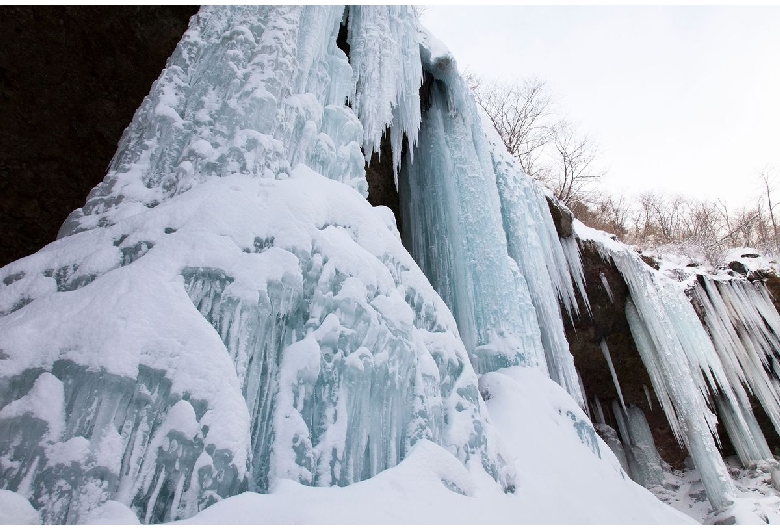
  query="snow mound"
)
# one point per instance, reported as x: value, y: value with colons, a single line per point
x: 15, y: 509
x: 561, y: 480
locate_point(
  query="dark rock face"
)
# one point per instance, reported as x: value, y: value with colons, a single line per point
x: 381, y: 181
x: 70, y: 80
x: 608, y: 322
x: 562, y: 218
x: 739, y: 267
x: 772, y: 283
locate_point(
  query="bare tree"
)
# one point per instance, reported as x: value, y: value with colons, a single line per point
x: 519, y: 111
x: 571, y: 174
x: 766, y: 180
x: 605, y: 212
x: 549, y: 151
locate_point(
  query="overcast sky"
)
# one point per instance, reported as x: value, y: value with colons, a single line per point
x: 682, y: 99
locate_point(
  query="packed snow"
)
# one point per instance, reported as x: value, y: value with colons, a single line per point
x: 560, y: 480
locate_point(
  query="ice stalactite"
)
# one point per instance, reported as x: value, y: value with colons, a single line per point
x: 647, y: 395
x: 608, y: 358
x: 641, y: 456
x: 614, y: 442
x: 607, y: 288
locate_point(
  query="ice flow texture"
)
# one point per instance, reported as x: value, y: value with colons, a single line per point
x: 265, y: 322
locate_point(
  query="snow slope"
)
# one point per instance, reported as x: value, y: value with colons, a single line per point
x: 560, y: 480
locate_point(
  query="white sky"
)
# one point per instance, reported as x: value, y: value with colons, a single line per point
x: 680, y: 99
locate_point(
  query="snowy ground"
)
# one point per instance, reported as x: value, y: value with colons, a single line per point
x: 758, y: 502
x: 559, y: 479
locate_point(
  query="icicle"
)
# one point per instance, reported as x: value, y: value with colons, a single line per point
x: 572, y: 251
x: 599, y: 410
x: 386, y: 77
x: 605, y: 283
x: 647, y: 395
x: 605, y: 351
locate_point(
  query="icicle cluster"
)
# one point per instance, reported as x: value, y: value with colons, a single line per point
x: 386, y: 73
x: 745, y: 331
x: 687, y: 373
x: 482, y: 232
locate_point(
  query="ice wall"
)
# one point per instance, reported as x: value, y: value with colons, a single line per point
x: 227, y: 309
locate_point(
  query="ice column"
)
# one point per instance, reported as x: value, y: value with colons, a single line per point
x: 452, y: 214
x: 608, y: 358
x: 642, y: 457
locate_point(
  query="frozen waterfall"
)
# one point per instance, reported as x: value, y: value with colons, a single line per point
x: 227, y: 310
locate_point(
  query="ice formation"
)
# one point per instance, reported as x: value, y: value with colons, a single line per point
x: 608, y: 358
x: 483, y: 234
x: 641, y: 456
x: 696, y: 368
x: 745, y: 331
x: 228, y: 312
x: 257, y: 318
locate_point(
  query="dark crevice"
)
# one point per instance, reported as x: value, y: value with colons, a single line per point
x: 341, y: 40
x: 723, y: 441
x: 765, y: 424
x: 425, y: 92
x: 381, y: 180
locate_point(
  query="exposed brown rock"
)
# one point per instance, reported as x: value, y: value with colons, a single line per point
x: 773, y: 286
x: 562, y: 218
x: 651, y: 261
x: 381, y: 180
x: 739, y: 267
x: 608, y: 321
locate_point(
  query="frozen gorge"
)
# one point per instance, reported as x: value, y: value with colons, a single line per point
x: 228, y: 327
